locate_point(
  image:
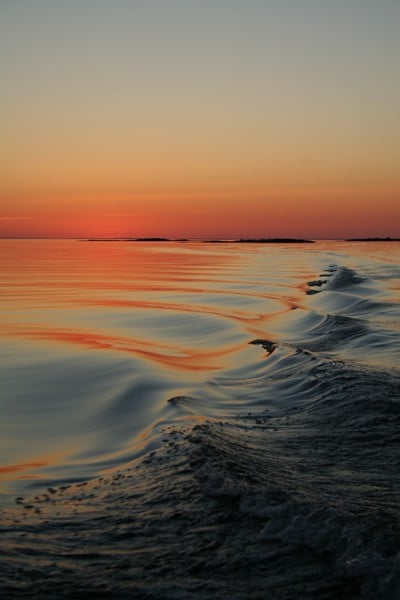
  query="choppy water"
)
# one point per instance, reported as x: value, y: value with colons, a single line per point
x: 189, y: 420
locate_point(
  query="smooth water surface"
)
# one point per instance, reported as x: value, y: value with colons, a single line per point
x: 97, y: 337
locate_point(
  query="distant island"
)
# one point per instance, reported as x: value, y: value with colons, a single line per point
x: 375, y: 239
x: 217, y: 241
x: 104, y: 240
x: 261, y: 241
x: 274, y: 241
x: 150, y: 239
x: 240, y: 241
x: 129, y: 239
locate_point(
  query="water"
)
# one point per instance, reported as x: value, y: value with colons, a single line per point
x: 190, y: 420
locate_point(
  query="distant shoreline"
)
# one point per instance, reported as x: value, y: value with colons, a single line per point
x: 375, y: 239
x: 209, y: 241
x: 263, y: 241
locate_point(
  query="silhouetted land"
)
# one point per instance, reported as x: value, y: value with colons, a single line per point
x: 261, y: 241
x: 274, y: 241
x: 240, y: 241
x: 375, y: 239
x: 105, y: 240
x: 151, y: 239
x: 129, y: 239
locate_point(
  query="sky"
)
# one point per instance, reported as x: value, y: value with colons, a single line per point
x: 219, y: 118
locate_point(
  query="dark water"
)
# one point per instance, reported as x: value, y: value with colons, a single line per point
x: 200, y: 420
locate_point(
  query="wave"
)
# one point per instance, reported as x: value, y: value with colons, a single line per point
x: 276, y: 476
x: 300, y: 504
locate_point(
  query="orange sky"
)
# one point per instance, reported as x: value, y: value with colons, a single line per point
x: 220, y: 120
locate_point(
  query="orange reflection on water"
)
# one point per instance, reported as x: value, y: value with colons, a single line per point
x: 57, y: 271
x: 190, y: 308
x: 33, y: 467
x: 189, y: 359
x: 7, y: 469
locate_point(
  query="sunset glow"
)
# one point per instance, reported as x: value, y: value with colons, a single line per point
x: 189, y: 119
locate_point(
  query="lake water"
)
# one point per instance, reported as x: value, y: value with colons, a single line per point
x: 188, y: 419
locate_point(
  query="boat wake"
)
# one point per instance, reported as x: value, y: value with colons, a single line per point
x: 293, y: 493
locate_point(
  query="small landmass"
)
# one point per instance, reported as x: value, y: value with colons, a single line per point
x: 261, y: 241
x: 150, y: 239
x: 214, y: 241
x: 274, y: 241
x: 130, y: 239
x: 157, y: 239
x: 104, y: 240
x: 373, y: 239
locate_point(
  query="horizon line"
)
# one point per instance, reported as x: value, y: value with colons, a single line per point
x: 197, y: 238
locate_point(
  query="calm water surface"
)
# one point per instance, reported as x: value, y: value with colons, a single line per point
x: 97, y: 337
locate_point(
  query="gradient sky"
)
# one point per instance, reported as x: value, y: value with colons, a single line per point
x: 200, y: 118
